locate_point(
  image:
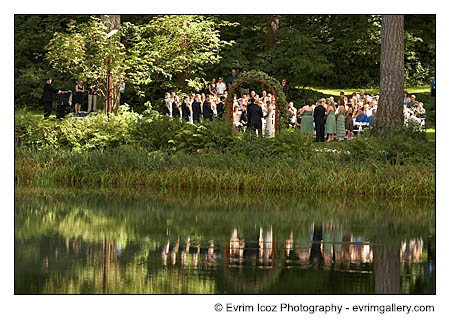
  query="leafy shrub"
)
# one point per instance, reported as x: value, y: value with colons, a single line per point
x: 155, y: 133
x: 290, y: 141
x: 249, y: 144
x: 398, y: 146
x: 210, y: 136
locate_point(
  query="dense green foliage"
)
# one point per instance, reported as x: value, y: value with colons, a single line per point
x: 133, y: 149
x: 328, y: 50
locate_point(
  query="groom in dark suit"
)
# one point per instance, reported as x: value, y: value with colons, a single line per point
x: 207, y: 110
x: 254, y: 115
x: 319, y: 120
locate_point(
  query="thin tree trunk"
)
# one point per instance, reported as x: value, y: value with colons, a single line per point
x: 390, y: 106
x: 113, y: 22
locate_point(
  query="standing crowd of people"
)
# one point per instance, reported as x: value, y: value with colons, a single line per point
x: 76, y: 98
x: 325, y: 119
x: 249, y: 111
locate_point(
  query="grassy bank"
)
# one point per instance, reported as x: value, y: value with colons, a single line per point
x: 135, y: 167
x: 133, y: 150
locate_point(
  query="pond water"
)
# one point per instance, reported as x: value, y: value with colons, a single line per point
x: 92, y: 242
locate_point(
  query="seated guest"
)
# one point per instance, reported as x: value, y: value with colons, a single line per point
x: 367, y: 110
x: 374, y: 103
x: 416, y: 120
x: 371, y: 119
x: 407, y: 112
x: 405, y: 97
x: 361, y: 117
x: 420, y: 108
x: 412, y: 103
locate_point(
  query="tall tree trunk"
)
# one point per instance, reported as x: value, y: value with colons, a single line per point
x: 181, y: 80
x: 390, y: 106
x: 111, y: 21
x: 386, y: 260
x: 271, y: 35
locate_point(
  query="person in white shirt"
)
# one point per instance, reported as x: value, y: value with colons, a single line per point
x: 221, y: 87
x: 292, y: 111
x: 368, y: 110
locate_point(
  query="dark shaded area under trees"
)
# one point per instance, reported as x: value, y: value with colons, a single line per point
x: 338, y: 51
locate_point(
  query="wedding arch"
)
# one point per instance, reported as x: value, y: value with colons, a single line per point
x: 275, y: 88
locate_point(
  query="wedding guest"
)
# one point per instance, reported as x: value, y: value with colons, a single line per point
x: 92, y: 99
x: 307, y: 119
x: 221, y: 87
x: 78, y: 97
x: 47, y: 97
x: 176, y: 107
x: 330, y: 126
x: 212, y: 87
x: 349, y: 122
x: 340, y: 120
x: 196, y: 109
x: 185, y: 109
x: 319, y: 119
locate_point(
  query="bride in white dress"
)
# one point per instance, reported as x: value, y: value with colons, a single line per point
x: 270, y: 118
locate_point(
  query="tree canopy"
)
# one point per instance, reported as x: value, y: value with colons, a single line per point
x: 182, y: 52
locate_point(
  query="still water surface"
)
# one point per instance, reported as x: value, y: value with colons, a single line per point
x: 90, y: 242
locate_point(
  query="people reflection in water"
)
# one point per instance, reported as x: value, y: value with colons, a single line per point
x: 289, y: 244
x: 265, y: 244
x: 324, y: 246
x: 173, y: 253
x: 316, y: 246
x: 236, y: 246
x: 165, y: 253
x: 411, y: 251
x: 211, y: 257
x: 205, y: 257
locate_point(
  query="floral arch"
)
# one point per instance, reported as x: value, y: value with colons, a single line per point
x: 275, y: 87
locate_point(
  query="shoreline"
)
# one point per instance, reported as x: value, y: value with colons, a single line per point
x: 315, y: 174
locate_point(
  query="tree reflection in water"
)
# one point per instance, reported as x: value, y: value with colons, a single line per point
x: 155, y: 246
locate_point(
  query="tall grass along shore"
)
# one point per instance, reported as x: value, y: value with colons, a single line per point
x: 156, y: 152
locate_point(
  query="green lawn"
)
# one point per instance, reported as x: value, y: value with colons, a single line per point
x: 431, y: 134
x: 336, y: 92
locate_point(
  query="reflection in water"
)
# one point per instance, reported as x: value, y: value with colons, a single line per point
x: 153, y: 247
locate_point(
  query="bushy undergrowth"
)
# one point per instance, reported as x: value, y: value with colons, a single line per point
x: 153, y: 132
x: 150, y: 150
